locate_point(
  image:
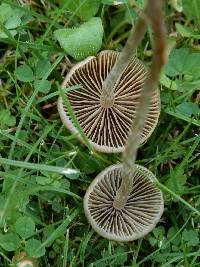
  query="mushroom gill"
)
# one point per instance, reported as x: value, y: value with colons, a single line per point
x: 140, y: 214
x: 107, y: 127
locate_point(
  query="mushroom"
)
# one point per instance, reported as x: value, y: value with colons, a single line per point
x: 111, y: 86
x: 139, y: 215
x: 22, y: 260
x: 123, y: 202
x: 107, y: 124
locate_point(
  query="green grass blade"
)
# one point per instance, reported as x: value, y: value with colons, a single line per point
x: 182, y: 117
x: 30, y: 102
x: 82, y: 248
x: 20, y: 142
x: 46, y: 97
x: 74, y: 119
x: 65, y: 250
x: 61, y: 229
x: 166, y: 189
x: 38, y: 167
x: 180, y: 257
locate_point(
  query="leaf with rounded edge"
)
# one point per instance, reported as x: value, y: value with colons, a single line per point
x: 83, y: 41
x: 171, y: 236
x: 13, y: 22
x: 25, y: 227
x: 9, y: 242
x: 188, y: 109
x: 5, y: 12
x: 42, y: 67
x: 181, y: 62
x: 24, y: 73
x: 6, y: 118
x: 43, y: 86
x: 191, y: 237
x: 34, y: 249
x: 84, y: 9
x: 122, y: 256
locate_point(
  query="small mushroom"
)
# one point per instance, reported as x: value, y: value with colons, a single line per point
x: 140, y: 213
x: 107, y: 124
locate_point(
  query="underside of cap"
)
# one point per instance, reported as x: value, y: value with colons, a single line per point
x: 140, y: 214
x: 107, y: 129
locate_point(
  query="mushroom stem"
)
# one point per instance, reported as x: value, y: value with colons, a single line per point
x: 135, y: 37
x: 154, y: 14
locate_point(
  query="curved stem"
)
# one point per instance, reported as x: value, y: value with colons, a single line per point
x: 125, y: 57
x: 154, y: 13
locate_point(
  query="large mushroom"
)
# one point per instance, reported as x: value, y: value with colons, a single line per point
x: 107, y: 123
x: 123, y: 202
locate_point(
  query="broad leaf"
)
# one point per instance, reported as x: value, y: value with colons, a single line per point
x: 171, y: 234
x: 34, y: 249
x: 83, y: 9
x: 42, y: 67
x: 24, y: 73
x: 11, y: 19
x: 176, y: 181
x: 5, y: 12
x: 25, y: 227
x: 83, y: 41
x: 9, y: 242
x: 43, y: 86
x: 6, y: 119
x: 181, y: 62
x: 13, y: 22
x: 164, y: 80
x: 188, y: 109
x: 191, y: 237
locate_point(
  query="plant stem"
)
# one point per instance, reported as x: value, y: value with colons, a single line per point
x: 154, y: 14
x: 108, y: 87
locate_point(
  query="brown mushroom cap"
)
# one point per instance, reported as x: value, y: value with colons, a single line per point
x: 140, y: 214
x: 107, y: 129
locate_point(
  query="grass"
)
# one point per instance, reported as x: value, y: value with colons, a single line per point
x: 45, y: 171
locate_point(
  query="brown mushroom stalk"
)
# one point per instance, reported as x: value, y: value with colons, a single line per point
x: 123, y: 202
x: 135, y: 37
x: 159, y: 59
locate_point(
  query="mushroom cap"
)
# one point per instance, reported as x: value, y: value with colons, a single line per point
x: 140, y: 214
x: 107, y: 129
